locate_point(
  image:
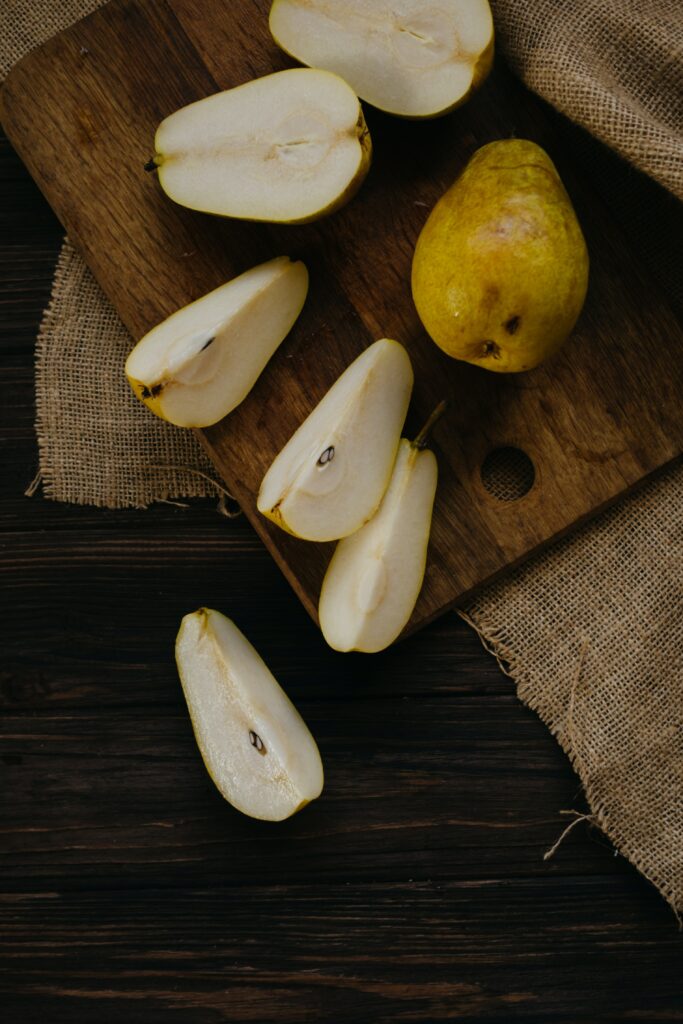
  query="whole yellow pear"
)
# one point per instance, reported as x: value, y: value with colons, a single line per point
x: 500, y: 269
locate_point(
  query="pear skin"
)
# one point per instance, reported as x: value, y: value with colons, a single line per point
x: 500, y: 269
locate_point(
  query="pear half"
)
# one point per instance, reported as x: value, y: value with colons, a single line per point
x: 289, y: 147
x: 255, y: 745
x: 196, y: 366
x: 375, y: 576
x: 330, y: 477
x: 410, y: 58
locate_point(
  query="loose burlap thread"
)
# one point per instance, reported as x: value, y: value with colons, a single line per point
x: 592, y: 630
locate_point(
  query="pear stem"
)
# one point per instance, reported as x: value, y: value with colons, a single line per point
x: 422, y: 438
x: 151, y: 165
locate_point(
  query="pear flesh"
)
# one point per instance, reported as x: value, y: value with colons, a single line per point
x: 375, y: 576
x: 500, y: 269
x: 331, y: 475
x: 200, y: 363
x: 289, y: 147
x: 255, y: 745
x: 409, y: 58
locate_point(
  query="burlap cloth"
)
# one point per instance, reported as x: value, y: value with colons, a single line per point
x: 592, y: 630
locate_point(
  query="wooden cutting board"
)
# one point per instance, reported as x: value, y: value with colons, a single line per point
x: 82, y: 111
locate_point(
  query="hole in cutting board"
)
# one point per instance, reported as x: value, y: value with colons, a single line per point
x: 508, y: 473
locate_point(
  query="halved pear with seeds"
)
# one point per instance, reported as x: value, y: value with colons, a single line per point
x: 196, y: 366
x: 255, y: 744
x: 330, y: 477
x: 375, y: 576
x: 289, y: 147
x: 408, y: 57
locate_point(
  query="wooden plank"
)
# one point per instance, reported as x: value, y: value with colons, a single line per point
x: 429, y: 786
x: 82, y: 112
x: 499, y: 951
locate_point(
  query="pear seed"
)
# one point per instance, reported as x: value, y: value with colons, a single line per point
x: 326, y: 456
x: 257, y: 742
x: 207, y: 343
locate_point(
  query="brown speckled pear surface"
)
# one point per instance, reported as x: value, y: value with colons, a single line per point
x: 501, y: 267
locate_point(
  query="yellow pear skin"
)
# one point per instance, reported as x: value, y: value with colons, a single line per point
x: 500, y: 269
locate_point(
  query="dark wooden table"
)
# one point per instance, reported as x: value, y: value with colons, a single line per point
x: 414, y: 890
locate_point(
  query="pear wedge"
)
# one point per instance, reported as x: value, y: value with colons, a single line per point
x: 289, y: 147
x: 375, y: 576
x: 255, y: 745
x: 330, y: 477
x: 200, y: 363
x: 409, y: 58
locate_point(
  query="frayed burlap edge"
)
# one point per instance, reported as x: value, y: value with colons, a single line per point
x: 591, y: 631
x: 105, y: 451
x: 493, y: 640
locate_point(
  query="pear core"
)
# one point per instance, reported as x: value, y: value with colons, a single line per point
x: 254, y: 743
x: 288, y: 147
x: 330, y: 476
x: 201, y: 362
x: 413, y: 59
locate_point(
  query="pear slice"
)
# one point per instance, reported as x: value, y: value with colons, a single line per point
x: 330, y: 477
x: 375, y: 576
x: 289, y: 147
x: 410, y: 58
x: 255, y: 744
x: 196, y: 366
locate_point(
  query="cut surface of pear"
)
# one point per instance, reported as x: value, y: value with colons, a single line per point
x: 200, y: 363
x: 331, y: 475
x: 407, y: 58
x: 255, y: 744
x: 288, y: 147
x: 375, y: 576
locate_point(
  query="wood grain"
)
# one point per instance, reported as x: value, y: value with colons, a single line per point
x: 82, y: 112
x: 423, y: 951
x: 413, y: 891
